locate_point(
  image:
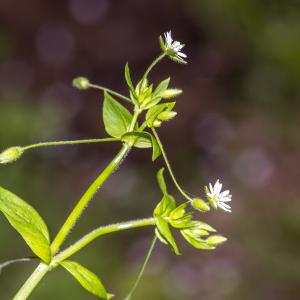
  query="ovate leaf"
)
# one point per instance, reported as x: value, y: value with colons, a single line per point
x: 166, y: 234
x: 87, y: 279
x: 26, y: 220
x: 116, y: 117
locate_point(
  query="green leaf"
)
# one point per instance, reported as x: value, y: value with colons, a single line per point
x: 116, y: 117
x: 26, y: 220
x: 161, y: 181
x: 165, y: 206
x: 161, y: 87
x: 166, y: 234
x: 87, y: 279
x: 140, y: 139
x: 129, y: 81
x: 179, y: 211
x: 156, y: 152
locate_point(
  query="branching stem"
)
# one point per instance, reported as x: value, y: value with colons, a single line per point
x: 183, y: 193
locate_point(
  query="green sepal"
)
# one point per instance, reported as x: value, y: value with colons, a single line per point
x: 162, y: 44
x: 165, y: 232
x: 29, y: 224
x: 200, y: 205
x: 116, y: 117
x: 86, y: 278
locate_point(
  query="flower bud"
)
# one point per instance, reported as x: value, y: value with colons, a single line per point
x: 167, y: 115
x: 156, y: 123
x: 170, y: 93
x: 81, y: 83
x: 216, y: 239
x: 200, y: 204
x: 10, y: 155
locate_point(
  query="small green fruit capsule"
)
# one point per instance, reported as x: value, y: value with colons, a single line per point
x: 156, y: 123
x: 167, y: 115
x: 81, y: 83
x: 200, y: 204
x: 170, y: 93
x: 216, y: 239
x: 10, y: 155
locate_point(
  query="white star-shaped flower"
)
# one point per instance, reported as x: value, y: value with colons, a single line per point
x: 217, y: 198
x: 173, y: 48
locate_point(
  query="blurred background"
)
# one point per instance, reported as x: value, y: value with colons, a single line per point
x: 238, y: 121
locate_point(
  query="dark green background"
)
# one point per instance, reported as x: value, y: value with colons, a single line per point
x: 238, y: 120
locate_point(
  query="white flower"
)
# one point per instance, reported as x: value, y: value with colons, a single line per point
x: 217, y: 198
x: 173, y: 46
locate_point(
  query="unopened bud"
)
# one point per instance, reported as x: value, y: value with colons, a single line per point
x: 170, y: 93
x: 216, y: 239
x: 81, y: 83
x: 156, y: 123
x: 167, y: 115
x: 200, y: 204
x: 10, y: 155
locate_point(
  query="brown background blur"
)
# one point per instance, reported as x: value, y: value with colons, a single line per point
x: 238, y: 120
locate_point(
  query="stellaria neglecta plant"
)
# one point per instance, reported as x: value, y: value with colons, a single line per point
x: 152, y: 107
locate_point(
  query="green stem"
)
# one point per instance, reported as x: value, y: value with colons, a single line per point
x: 183, y: 193
x: 141, y: 273
x: 155, y: 62
x: 76, y: 142
x: 86, y: 198
x: 32, y: 282
x: 88, y: 238
x: 99, y: 87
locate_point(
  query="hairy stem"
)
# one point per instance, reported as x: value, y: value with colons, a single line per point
x: 155, y: 62
x: 74, y: 142
x: 88, y: 238
x: 99, y: 87
x: 141, y: 273
x: 32, y: 282
x: 86, y: 198
x: 183, y: 193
